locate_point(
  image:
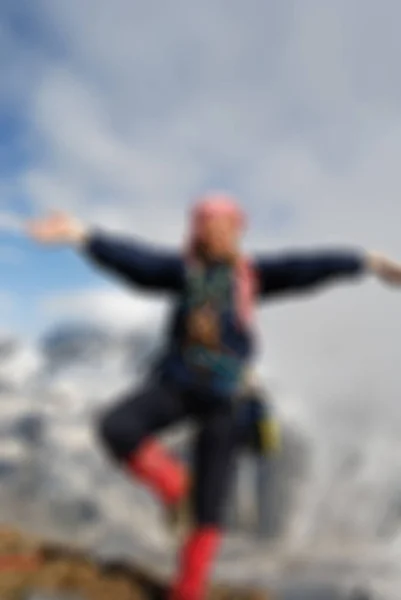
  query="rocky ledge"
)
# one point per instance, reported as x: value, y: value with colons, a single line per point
x: 35, y: 569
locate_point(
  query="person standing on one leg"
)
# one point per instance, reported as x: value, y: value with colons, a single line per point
x: 214, y: 287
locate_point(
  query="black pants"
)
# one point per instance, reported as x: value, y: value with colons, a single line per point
x: 161, y: 405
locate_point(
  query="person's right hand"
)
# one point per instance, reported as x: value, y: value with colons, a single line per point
x: 56, y: 228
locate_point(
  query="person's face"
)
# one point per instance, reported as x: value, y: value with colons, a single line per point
x: 220, y: 237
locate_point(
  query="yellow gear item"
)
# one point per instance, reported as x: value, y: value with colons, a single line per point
x: 266, y: 428
x: 269, y: 434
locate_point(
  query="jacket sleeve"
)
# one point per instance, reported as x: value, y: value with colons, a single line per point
x: 138, y: 263
x: 302, y: 271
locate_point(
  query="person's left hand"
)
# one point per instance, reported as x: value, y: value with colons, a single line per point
x: 384, y: 268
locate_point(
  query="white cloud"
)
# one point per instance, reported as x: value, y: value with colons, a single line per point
x: 23, y: 364
x: 258, y: 98
x: 113, y: 308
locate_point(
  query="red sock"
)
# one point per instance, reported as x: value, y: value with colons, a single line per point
x: 165, y: 475
x: 196, y: 564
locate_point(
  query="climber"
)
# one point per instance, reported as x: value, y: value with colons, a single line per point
x: 215, y: 289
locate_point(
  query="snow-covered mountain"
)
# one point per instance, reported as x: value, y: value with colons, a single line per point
x: 52, y: 467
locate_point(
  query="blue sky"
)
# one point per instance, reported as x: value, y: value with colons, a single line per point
x: 123, y: 112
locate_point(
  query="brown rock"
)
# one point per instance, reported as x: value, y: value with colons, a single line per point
x: 62, y: 569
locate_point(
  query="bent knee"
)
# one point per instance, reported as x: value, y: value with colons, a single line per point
x: 117, y: 436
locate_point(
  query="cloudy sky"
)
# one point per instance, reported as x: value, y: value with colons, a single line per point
x: 123, y: 111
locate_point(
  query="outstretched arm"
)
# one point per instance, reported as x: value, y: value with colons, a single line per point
x: 301, y: 271
x: 136, y: 262
x: 139, y: 263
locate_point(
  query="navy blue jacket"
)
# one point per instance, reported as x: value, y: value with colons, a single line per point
x: 161, y: 271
